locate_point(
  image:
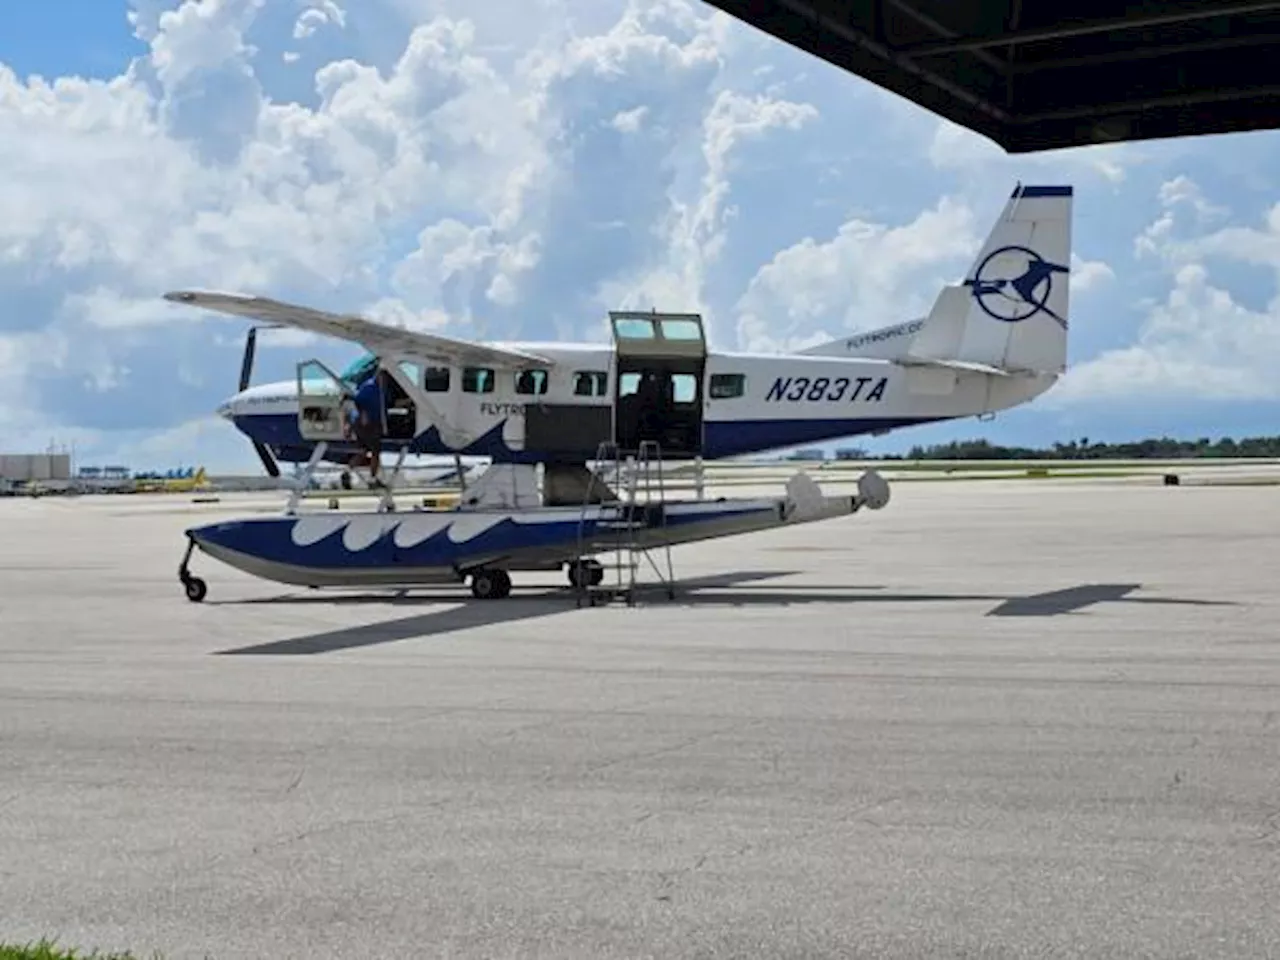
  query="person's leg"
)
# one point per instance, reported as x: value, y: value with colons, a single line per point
x: 351, y: 432
x: 371, y: 440
x: 368, y: 445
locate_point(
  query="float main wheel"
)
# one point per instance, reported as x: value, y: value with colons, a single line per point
x: 585, y: 573
x: 490, y: 584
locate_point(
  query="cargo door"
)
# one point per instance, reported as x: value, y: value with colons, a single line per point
x: 661, y: 358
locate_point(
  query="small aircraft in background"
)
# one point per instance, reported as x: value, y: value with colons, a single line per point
x: 994, y: 341
x: 185, y: 480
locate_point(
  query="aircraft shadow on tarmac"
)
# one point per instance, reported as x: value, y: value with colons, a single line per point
x: 737, y: 589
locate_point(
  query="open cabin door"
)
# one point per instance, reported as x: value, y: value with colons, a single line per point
x: 321, y: 398
x: 403, y: 417
x: 660, y: 361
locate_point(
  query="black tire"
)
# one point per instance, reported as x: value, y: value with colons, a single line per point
x: 490, y: 584
x: 584, y: 573
x: 504, y: 583
x: 195, y: 588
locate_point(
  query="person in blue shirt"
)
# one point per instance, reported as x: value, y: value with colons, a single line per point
x: 367, y: 421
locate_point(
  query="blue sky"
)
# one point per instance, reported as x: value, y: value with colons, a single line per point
x: 517, y: 168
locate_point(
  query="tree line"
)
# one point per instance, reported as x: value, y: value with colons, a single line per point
x: 1154, y: 448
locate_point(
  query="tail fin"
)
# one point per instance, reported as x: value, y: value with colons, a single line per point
x: 1010, y: 314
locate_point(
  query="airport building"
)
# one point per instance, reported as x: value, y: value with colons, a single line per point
x: 26, y: 467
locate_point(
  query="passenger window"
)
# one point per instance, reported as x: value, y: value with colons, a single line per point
x: 726, y: 386
x: 684, y: 388
x: 477, y: 380
x: 436, y: 380
x: 531, y: 381
x: 590, y: 383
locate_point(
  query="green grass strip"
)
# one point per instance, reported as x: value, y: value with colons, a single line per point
x: 48, y: 950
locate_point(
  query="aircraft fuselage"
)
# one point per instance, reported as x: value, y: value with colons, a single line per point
x: 716, y: 405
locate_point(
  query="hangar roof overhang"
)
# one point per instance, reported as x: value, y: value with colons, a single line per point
x: 1045, y: 74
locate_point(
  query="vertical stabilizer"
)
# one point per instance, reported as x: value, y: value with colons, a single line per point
x: 1012, y: 310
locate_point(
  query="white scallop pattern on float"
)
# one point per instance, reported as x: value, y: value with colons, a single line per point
x: 361, y: 531
x: 468, y: 527
x: 419, y: 528
x: 310, y: 530
x: 364, y: 530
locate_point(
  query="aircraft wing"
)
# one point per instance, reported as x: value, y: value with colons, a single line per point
x: 374, y: 336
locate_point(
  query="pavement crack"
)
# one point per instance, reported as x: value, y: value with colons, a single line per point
x: 679, y: 808
x: 669, y: 880
x: 302, y: 770
x: 1269, y: 828
x: 327, y: 828
x: 670, y: 748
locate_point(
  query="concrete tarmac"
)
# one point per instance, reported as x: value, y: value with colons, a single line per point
x: 995, y: 719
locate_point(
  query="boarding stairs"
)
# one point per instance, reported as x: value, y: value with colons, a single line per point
x: 627, y: 493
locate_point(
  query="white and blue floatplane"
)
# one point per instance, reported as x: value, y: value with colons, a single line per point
x: 544, y: 412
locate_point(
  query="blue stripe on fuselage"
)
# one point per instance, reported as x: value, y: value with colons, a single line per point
x: 280, y: 432
x: 732, y: 438
x: 721, y: 438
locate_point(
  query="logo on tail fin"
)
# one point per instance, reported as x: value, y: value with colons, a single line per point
x: 1014, y: 283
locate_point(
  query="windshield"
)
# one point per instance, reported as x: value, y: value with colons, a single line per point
x: 359, y: 368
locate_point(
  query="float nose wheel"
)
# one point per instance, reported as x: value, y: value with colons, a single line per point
x: 194, y: 587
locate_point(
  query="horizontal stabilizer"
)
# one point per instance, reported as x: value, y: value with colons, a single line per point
x: 964, y: 366
x: 931, y: 357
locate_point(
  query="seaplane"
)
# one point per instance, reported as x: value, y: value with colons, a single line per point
x: 655, y: 393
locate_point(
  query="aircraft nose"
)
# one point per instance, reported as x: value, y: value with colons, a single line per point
x: 227, y: 408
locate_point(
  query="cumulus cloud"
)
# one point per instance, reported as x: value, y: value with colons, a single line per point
x: 318, y: 14
x: 694, y: 224
x: 1198, y: 341
x: 868, y: 275
x: 505, y: 170
x: 457, y: 184
x: 1088, y: 275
